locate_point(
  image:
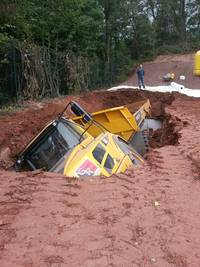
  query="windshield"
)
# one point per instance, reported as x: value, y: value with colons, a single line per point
x: 54, y: 145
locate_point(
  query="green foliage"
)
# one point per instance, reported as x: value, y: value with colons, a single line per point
x: 144, y: 38
x: 7, y: 76
x: 4, y: 98
x: 65, y: 25
x: 4, y: 40
x: 54, y: 47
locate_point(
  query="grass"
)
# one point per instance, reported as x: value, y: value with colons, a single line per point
x: 11, y: 108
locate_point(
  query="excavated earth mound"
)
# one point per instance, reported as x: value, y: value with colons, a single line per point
x: 148, y: 216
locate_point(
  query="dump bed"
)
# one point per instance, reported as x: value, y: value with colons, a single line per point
x: 118, y: 120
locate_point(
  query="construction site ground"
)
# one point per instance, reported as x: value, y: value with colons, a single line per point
x: 148, y: 216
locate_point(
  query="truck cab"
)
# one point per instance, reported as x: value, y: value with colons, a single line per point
x: 66, y: 147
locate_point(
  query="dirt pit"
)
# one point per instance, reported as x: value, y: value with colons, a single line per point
x: 148, y: 216
x: 18, y: 129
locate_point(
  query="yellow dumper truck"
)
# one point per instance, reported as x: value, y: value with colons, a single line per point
x: 101, y: 143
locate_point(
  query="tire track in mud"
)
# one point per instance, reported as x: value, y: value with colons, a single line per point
x: 108, y: 222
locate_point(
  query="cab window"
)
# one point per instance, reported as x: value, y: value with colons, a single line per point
x: 126, y: 149
x: 98, y: 153
x: 109, y: 163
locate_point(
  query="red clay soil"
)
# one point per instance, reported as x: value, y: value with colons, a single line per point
x: 177, y: 64
x: 148, y: 216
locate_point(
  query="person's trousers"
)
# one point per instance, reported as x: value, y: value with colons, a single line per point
x: 141, y: 82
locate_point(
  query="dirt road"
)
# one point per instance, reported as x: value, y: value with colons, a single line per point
x: 180, y: 65
x: 147, y: 217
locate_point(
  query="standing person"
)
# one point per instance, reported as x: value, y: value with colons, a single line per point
x: 140, y: 73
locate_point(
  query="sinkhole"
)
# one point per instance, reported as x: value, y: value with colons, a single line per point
x: 50, y: 150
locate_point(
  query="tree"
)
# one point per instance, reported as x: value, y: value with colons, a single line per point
x: 54, y: 46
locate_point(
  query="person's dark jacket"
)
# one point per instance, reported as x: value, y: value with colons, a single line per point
x: 140, y: 72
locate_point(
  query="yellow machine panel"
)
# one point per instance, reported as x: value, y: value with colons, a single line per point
x: 107, y: 154
x: 197, y: 64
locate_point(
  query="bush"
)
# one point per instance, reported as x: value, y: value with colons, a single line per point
x: 176, y: 49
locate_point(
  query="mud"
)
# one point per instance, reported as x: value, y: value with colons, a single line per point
x: 148, y: 216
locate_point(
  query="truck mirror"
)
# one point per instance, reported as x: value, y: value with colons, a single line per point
x: 79, y: 111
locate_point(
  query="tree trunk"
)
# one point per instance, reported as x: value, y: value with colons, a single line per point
x: 108, y: 39
x: 183, y: 19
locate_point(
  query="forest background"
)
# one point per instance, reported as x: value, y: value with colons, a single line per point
x: 50, y: 48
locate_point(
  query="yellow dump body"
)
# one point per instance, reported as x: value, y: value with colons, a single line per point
x: 197, y: 64
x: 118, y: 120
